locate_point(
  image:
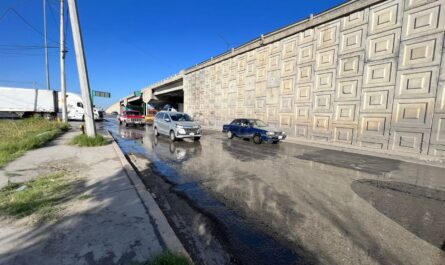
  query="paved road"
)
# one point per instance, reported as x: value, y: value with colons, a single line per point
x: 329, y: 207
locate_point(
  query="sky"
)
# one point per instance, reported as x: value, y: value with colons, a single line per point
x: 130, y: 44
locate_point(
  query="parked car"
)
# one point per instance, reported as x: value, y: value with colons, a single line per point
x: 176, y: 125
x: 254, y: 129
x: 131, y: 117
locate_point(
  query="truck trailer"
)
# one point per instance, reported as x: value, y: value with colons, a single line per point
x: 25, y: 102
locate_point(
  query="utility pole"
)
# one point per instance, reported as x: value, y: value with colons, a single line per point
x: 82, y: 69
x: 48, y: 85
x: 62, y: 62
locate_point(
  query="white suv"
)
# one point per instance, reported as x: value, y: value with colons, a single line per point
x: 176, y: 125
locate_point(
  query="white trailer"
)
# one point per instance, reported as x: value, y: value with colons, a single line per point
x: 26, y: 102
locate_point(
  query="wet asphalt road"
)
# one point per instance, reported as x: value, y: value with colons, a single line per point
x: 327, y: 207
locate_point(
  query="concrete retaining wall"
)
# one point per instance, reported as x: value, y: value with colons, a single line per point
x: 367, y: 75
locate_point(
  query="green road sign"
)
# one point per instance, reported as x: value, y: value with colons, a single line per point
x: 101, y: 94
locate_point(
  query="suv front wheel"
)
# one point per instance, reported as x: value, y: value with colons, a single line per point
x: 156, y: 131
x: 172, y: 136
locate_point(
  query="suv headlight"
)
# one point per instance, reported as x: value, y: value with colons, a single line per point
x: 179, y: 126
x: 270, y: 133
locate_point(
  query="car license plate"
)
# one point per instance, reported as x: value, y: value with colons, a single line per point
x: 192, y: 133
x: 280, y: 137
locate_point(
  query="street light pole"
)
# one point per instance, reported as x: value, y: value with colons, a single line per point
x: 82, y: 69
x: 48, y: 83
x: 62, y: 62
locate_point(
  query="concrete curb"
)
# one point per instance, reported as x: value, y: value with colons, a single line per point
x: 172, y: 242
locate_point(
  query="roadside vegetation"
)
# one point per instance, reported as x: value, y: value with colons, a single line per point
x: 84, y: 140
x: 18, y: 136
x: 41, y: 197
x: 169, y: 258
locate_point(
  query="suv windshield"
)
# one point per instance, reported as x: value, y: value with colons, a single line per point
x: 180, y: 117
x: 258, y: 123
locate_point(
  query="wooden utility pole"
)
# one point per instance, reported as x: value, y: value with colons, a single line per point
x: 48, y: 83
x: 62, y: 62
x: 82, y: 69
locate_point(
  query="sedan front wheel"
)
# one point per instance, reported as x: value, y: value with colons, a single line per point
x: 229, y: 135
x: 257, y: 139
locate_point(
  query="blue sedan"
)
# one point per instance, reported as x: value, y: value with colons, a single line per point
x: 254, y: 129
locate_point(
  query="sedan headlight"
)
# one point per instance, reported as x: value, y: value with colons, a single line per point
x: 270, y: 133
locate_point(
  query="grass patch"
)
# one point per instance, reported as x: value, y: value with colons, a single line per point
x: 40, y: 197
x: 169, y: 258
x: 19, y: 136
x: 84, y: 140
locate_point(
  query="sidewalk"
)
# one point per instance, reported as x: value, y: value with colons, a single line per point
x: 115, y: 222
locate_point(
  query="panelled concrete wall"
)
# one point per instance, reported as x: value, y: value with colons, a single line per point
x: 372, y: 79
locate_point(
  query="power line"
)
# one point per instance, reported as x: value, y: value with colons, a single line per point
x: 24, y: 21
x: 51, y: 10
x: 19, y: 82
x: 25, y: 47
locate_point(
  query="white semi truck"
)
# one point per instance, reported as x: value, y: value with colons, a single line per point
x: 75, y: 109
x: 25, y: 102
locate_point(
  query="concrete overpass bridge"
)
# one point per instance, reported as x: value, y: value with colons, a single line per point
x: 168, y: 91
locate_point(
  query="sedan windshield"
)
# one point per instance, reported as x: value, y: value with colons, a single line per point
x: 180, y: 117
x: 258, y: 123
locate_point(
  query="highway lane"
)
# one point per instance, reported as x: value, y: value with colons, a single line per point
x: 327, y: 207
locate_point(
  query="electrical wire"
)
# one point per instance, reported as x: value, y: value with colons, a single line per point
x: 24, y: 21
x: 25, y: 47
x: 51, y: 10
x: 20, y: 82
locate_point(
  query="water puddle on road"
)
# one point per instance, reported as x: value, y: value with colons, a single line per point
x: 245, y: 243
x: 292, y: 204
